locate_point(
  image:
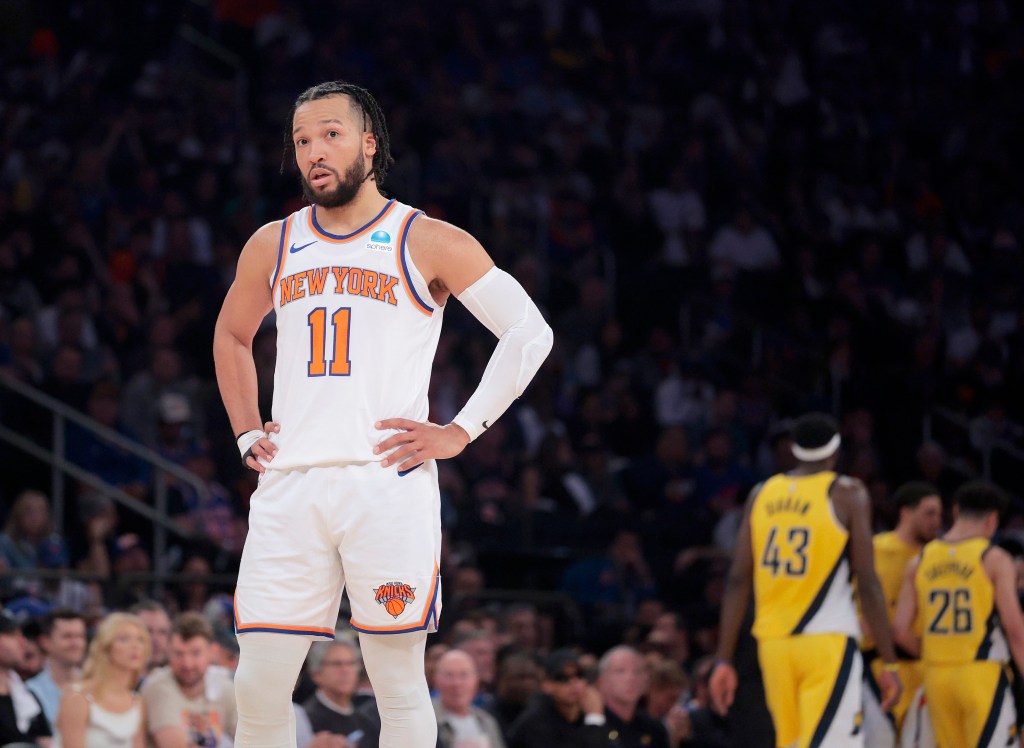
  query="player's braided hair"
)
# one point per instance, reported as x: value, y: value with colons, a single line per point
x: 370, y: 110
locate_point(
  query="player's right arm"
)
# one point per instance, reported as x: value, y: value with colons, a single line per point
x: 999, y: 567
x: 853, y: 505
x: 738, y: 587
x: 903, y: 621
x: 246, y: 304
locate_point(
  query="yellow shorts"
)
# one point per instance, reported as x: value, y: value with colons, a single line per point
x: 813, y: 686
x: 882, y: 729
x: 971, y: 704
x: 358, y: 527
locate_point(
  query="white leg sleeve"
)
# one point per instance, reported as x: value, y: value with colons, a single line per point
x: 268, y: 666
x: 395, y: 666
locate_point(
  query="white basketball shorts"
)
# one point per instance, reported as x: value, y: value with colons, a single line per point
x: 314, y: 532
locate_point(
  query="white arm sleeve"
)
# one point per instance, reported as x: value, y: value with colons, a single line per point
x: 524, y: 341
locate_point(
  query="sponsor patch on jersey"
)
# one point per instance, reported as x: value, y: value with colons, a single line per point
x: 395, y: 596
x: 381, y: 241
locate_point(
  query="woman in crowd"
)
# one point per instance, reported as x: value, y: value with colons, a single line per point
x: 103, y: 711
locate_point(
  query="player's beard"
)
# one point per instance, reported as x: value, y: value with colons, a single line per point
x: 344, y: 193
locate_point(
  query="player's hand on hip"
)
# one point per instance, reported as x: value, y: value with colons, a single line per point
x: 889, y: 684
x: 722, y: 685
x: 263, y: 448
x: 419, y: 442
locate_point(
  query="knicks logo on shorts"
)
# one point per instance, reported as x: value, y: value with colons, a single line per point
x: 394, y: 596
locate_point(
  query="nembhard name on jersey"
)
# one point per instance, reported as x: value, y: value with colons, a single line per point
x: 954, y: 568
x: 791, y: 504
x: 350, y: 280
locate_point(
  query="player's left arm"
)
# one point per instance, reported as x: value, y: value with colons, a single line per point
x: 456, y: 264
x: 905, y: 617
x: 853, y: 506
x: 999, y: 567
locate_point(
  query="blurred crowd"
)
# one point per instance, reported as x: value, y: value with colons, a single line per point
x: 731, y: 213
x: 142, y: 678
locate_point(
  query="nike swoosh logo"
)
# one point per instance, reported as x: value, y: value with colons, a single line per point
x: 293, y: 249
x: 485, y: 425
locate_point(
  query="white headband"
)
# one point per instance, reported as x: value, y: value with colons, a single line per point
x: 817, y: 454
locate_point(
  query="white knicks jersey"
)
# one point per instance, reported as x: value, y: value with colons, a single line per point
x: 357, y: 331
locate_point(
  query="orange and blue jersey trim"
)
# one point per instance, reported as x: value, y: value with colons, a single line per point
x: 429, y: 615
x: 315, y: 227
x: 404, y: 263
x: 278, y: 628
x: 286, y: 227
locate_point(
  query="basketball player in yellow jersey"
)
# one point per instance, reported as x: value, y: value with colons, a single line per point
x: 920, y: 520
x: 802, y: 533
x: 961, y: 595
x: 348, y: 493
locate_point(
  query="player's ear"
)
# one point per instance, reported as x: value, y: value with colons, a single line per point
x: 370, y: 145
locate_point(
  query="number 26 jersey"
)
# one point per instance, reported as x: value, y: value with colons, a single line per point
x: 956, y: 604
x: 357, y: 330
x: 801, y: 560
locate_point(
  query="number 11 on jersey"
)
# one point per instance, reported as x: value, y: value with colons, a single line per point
x: 339, y: 365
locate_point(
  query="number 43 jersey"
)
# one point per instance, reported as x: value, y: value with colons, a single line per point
x: 357, y: 330
x: 956, y: 604
x: 801, y: 560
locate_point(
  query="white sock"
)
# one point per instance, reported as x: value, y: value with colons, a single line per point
x: 268, y: 666
x: 394, y: 664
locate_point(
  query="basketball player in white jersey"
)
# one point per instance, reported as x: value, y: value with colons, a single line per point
x: 348, y: 492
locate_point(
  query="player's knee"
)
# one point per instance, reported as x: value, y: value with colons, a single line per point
x: 395, y: 665
x: 268, y: 666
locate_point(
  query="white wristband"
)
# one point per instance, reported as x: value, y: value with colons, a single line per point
x: 595, y: 719
x: 246, y: 440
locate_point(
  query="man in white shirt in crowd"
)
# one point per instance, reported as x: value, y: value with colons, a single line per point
x: 188, y: 702
x: 459, y: 723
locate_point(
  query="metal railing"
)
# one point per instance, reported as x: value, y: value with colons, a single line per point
x: 982, y: 454
x: 60, y: 466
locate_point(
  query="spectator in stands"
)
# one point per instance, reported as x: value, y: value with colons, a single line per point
x: 622, y: 682
x: 482, y: 647
x: 708, y: 727
x: 666, y: 687
x: 459, y: 723
x: 110, y: 462
x: 143, y: 403
x: 518, y: 681
x: 335, y: 668
x: 569, y: 713
x: 62, y: 638
x: 185, y: 702
x: 104, y: 708
x: 32, y: 658
x: 745, y: 245
x: 21, y: 716
x: 520, y: 627
x: 610, y: 586
x: 669, y: 634
x: 29, y: 540
x: 158, y: 624
x: 430, y: 658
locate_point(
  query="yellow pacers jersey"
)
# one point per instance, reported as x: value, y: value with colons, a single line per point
x: 801, y: 566
x: 956, y: 604
x: 891, y: 558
